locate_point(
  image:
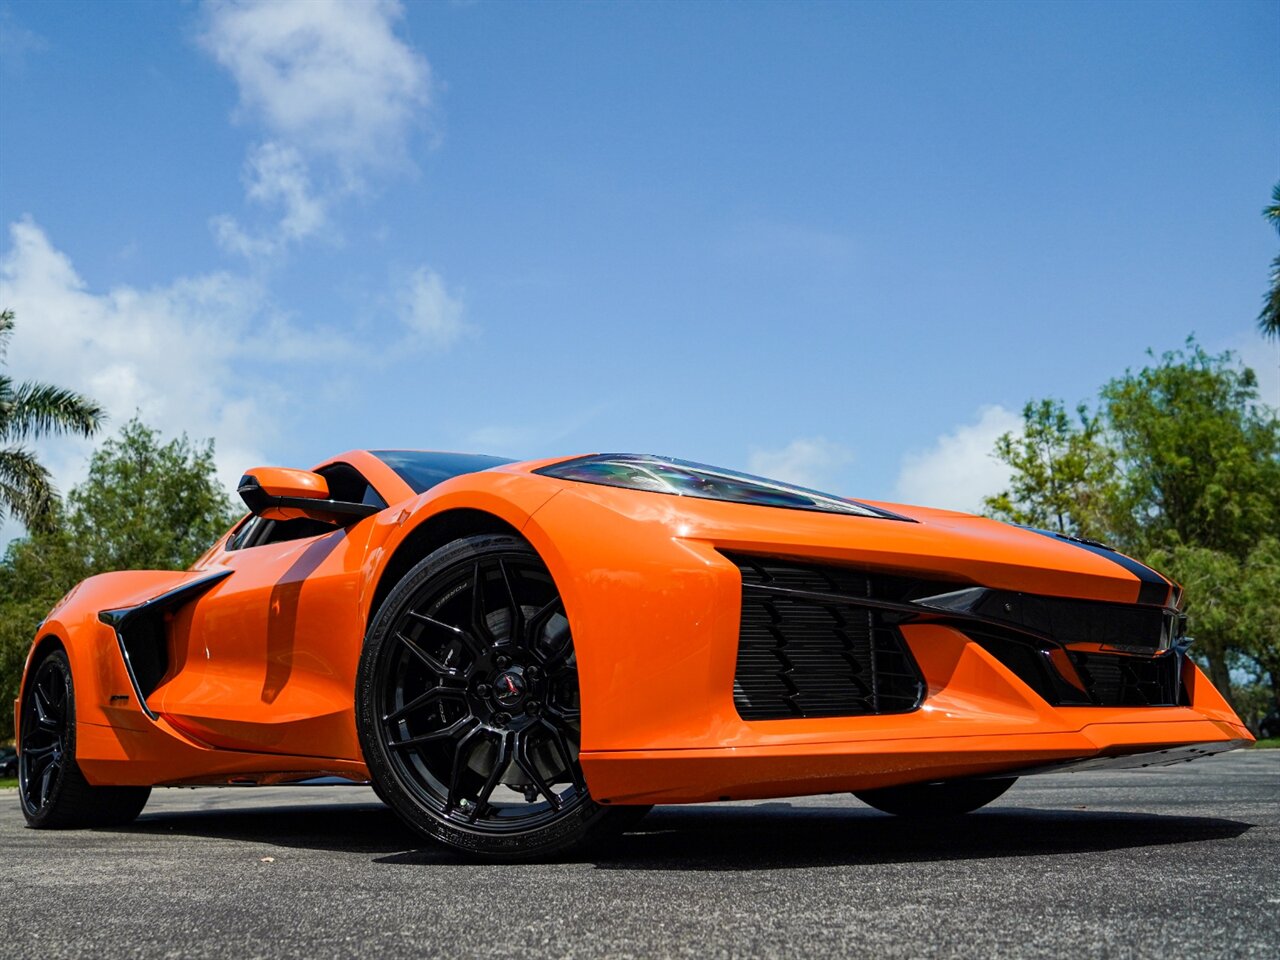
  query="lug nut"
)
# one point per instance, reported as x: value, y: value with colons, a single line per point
x: 483, y: 689
x: 503, y: 662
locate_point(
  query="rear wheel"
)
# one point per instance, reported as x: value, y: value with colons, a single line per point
x: 468, y: 706
x: 53, y: 791
x: 943, y: 799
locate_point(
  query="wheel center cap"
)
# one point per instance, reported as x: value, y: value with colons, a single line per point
x: 509, y: 688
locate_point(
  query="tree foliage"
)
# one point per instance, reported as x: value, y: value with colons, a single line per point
x: 29, y: 411
x: 146, y: 504
x: 1062, y: 471
x: 1259, y: 613
x: 1197, y: 453
x: 1269, y: 318
x: 1210, y: 580
x: 1179, y: 467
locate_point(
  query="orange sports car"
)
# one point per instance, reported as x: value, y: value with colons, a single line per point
x: 522, y: 656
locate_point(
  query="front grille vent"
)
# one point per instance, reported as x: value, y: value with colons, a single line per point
x: 1117, y: 680
x: 819, y: 656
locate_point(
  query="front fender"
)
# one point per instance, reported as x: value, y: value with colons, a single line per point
x: 511, y: 497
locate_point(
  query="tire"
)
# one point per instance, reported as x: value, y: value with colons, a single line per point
x: 53, y: 792
x: 468, y: 710
x: 929, y: 800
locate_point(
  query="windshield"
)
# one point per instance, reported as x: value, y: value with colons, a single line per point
x: 422, y: 470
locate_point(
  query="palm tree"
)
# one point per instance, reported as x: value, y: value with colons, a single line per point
x: 29, y: 411
x: 1269, y: 318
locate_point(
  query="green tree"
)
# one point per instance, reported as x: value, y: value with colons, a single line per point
x: 1259, y: 614
x: 1210, y: 580
x: 1269, y: 318
x: 1233, y: 611
x: 1198, y: 454
x: 146, y: 504
x: 29, y: 411
x: 1180, y: 468
x: 1062, y: 471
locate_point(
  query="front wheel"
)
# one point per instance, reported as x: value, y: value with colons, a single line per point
x: 943, y: 799
x: 53, y: 791
x: 468, y: 706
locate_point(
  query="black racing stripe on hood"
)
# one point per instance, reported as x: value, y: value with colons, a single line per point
x: 1153, y: 588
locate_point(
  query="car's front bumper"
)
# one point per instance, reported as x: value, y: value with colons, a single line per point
x: 980, y: 721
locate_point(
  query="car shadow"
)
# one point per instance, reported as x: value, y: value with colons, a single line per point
x: 777, y: 836
x: 369, y: 828
x: 724, y: 837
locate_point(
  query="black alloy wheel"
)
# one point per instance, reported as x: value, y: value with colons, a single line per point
x: 44, y: 735
x: 946, y: 798
x: 468, y: 705
x: 53, y: 791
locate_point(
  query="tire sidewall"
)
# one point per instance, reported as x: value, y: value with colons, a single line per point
x: 38, y: 817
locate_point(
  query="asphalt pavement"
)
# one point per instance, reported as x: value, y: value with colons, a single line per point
x: 1177, y: 862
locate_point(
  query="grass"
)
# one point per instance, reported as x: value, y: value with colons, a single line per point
x: 1272, y: 743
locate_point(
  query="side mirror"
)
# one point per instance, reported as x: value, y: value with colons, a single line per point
x: 278, y: 493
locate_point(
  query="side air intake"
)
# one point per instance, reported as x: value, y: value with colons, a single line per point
x: 805, y: 649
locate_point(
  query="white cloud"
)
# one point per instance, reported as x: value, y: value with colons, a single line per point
x: 431, y: 314
x: 327, y: 76
x: 169, y: 353
x: 806, y: 461
x: 180, y: 355
x: 959, y: 469
x: 336, y: 92
x: 234, y: 238
x: 276, y: 176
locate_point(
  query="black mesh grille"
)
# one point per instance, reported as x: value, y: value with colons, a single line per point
x: 1081, y: 621
x: 1116, y: 680
x: 802, y: 657
x: 818, y: 640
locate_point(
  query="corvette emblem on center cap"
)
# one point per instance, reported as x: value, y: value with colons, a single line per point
x: 508, y: 688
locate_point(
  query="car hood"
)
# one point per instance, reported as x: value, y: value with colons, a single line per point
x: 940, y: 544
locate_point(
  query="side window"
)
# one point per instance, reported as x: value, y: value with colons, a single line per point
x: 242, y: 533
x: 345, y: 483
x: 278, y: 531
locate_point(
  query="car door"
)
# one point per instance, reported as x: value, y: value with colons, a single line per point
x: 266, y: 661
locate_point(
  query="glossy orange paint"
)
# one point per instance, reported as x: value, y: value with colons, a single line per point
x: 287, y: 482
x: 659, y: 723
x: 262, y: 666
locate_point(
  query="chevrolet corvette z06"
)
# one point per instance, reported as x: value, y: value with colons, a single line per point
x: 522, y: 656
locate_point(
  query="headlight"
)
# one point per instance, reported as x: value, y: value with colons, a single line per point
x: 684, y: 479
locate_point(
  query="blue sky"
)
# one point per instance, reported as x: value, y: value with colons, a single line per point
x: 837, y: 243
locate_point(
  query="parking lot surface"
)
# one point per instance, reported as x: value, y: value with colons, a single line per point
x: 1179, y: 862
